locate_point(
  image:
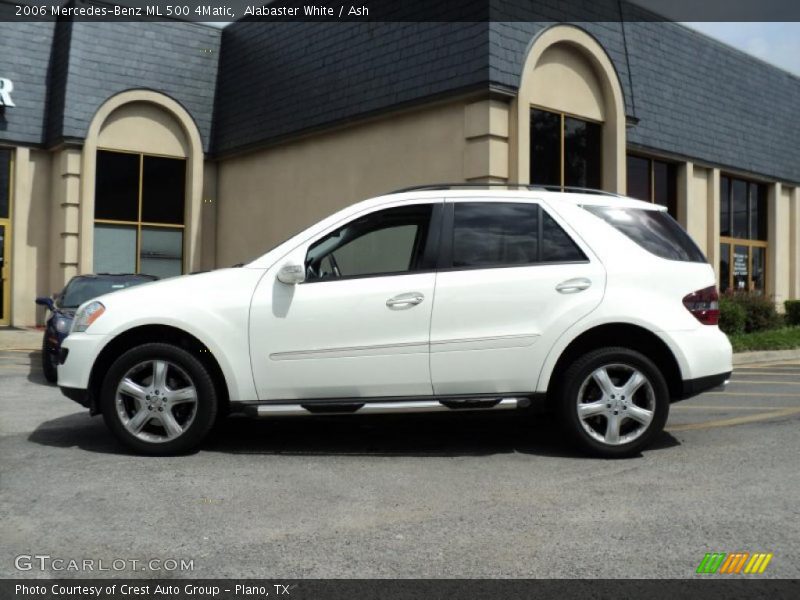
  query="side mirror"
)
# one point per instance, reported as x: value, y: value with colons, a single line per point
x: 45, y: 301
x: 291, y: 274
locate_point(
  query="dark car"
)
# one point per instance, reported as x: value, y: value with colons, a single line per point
x: 64, y: 304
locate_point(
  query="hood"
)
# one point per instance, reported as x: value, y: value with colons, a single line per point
x: 203, y: 297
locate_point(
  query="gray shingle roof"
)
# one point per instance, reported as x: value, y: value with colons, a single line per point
x: 280, y: 78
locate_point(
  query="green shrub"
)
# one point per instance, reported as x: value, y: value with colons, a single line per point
x: 760, y: 313
x: 792, y: 312
x: 732, y: 316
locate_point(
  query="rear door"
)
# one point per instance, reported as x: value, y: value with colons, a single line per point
x: 512, y: 279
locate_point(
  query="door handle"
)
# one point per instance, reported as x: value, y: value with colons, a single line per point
x: 572, y: 286
x: 409, y: 299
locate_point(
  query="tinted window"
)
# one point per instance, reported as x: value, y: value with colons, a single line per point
x: 491, y: 234
x: 758, y: 212
x: 545, y: 148
x: 582, y: 152
x: 639, y: 178
x: 389, y: 241
x: 665, y: 186
x: 163, y: 183
x: 117, y: 186
x: 725, y: 207
x: 494, y: 234
x: 739, y: 206
x: 557, y: 246
x: 653, y: 230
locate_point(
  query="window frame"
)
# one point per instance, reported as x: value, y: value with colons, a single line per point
x: 562, y: 115
x: 445, y: 263
x: 731, y: 242
x: 430, y: 245
x: 651, y: 179
x: 138, y: 225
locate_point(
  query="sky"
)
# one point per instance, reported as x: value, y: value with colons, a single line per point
x: 776, y: 43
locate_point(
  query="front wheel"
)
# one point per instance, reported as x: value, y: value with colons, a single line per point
x: 159, y: 400
x: 613, y: 401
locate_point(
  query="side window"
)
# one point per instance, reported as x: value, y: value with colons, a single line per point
x: 557, y: 246
x: 493, y: 234
x: 389, y: 241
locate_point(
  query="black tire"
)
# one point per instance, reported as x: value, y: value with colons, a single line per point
x: 49, y: 364
x: 205, y: 409
x: 584, y: 433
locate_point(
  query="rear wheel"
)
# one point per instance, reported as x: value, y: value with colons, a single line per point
x: 159, y: 400
x: 49, y: 363
x: 613, y: 402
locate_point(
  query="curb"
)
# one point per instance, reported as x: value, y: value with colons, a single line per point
x: 747, y: 358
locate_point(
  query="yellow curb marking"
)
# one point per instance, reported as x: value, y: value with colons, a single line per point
x: 736, y: 420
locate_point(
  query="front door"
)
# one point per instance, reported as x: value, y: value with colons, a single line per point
x: 358, y: 326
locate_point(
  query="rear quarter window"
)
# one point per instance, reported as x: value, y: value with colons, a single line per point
x: 653, y: 230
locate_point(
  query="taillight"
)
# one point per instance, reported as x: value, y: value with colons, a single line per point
x: 704, y: 305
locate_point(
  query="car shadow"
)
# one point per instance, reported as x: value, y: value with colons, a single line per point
x: 35, y: 373
x: 445, y: 435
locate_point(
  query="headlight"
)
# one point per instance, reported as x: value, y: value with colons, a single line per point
x: 62, y: 325
x: 87, y: 315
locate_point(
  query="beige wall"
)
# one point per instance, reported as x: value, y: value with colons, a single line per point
x: 779, y: 231
x: 64, y: 214
x: 697, y: 212
x: 794, y: 243
x: 266, y: 196
x: 29, y: 230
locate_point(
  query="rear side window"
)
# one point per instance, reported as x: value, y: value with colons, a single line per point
x: 494, y: 234
x: 653, y: 230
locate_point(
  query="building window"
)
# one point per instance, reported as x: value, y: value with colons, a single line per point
x: 138, y: 210
x: 565, y: 150
x: 743, y: 234
x: 653, y: 181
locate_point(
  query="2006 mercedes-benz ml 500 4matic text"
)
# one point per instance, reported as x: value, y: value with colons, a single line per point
x: 434, y: 299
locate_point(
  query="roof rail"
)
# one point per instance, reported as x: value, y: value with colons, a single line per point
x: 530, y: 187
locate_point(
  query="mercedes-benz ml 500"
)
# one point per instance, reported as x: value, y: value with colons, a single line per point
x: 601, y: 307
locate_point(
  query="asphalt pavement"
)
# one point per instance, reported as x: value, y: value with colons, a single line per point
x: 483, y: 495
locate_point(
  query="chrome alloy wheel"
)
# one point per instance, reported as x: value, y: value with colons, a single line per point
x: 616, y: 404
x: 156, y: 401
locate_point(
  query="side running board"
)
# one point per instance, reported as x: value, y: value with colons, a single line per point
x: 399, y: 406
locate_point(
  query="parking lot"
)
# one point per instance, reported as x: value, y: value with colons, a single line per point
x: 480, y: 495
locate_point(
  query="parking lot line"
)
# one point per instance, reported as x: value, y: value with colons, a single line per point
x: 795, y: 373
x: 735, y: 381
x: 724, y: 407
x: 775, y: 395
x: 787, y: 412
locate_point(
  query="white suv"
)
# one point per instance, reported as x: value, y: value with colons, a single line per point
x: 434, y: 299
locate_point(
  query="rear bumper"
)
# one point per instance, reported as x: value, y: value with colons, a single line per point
x: 693, y: 387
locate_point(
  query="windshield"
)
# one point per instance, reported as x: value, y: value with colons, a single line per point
x: 79, y: 291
